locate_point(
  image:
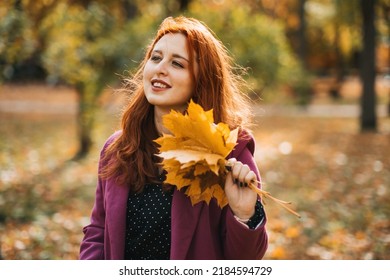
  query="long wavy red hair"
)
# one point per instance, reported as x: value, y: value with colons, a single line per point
x: 131, y: 158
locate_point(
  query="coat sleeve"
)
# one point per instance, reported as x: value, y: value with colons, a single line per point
x: 241, y: 242
x: 92, y: 245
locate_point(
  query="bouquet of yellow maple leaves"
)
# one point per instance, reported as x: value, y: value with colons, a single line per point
x: 194, y: 155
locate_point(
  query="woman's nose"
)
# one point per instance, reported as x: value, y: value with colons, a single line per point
x: 162, y: 67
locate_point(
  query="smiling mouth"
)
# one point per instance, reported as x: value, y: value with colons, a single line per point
x: 160, y: 84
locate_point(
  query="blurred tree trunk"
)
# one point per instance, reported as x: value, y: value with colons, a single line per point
x: 339, y: 69
x: 386, y: 14
x: 85, y: 119
x: 302, y: 48
x: 368, y: 120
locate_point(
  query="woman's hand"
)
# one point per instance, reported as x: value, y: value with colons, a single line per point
x: 240, y: 197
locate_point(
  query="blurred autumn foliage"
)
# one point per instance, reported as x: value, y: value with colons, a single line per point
x: 59, y: 59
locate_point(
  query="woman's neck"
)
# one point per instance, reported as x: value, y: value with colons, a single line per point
x: 158, y: 116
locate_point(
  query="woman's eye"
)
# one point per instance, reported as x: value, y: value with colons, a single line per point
x: 155, y: 58
x: 177, y: 64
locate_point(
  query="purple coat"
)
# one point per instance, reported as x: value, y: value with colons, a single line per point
x: 197, y: 232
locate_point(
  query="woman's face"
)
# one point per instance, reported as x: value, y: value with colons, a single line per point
x: 167, y: 77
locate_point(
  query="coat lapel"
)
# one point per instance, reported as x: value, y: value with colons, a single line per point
x: 184, y: 220
x: 116, y: 219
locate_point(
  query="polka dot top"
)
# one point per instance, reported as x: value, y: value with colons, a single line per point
x: 148, y: 224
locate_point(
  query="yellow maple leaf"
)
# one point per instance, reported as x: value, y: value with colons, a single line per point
x: 194, y: 156
x: 191, y: 155
x: 197, y: 130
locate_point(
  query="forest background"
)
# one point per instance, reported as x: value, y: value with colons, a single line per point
x: 319, y: 72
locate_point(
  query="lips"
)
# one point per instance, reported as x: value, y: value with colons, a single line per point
x: 160, y: 84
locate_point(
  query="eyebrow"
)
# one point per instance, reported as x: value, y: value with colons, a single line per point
x: 174, y: 55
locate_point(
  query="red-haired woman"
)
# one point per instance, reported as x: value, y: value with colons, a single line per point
x: 135, y: 216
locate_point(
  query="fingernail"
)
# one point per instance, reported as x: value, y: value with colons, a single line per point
x: 245, y: 184
x: 236, y: 181
x: 241, y: 184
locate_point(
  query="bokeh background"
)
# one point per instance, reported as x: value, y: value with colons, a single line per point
x: 319, y: 73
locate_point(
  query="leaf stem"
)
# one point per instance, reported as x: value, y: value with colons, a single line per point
x: 265, y: 194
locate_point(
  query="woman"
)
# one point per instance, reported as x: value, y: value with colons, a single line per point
x: 136, y: 216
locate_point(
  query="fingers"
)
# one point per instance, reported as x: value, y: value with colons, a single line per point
x: 241, y: 173
x: 230, y: 163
